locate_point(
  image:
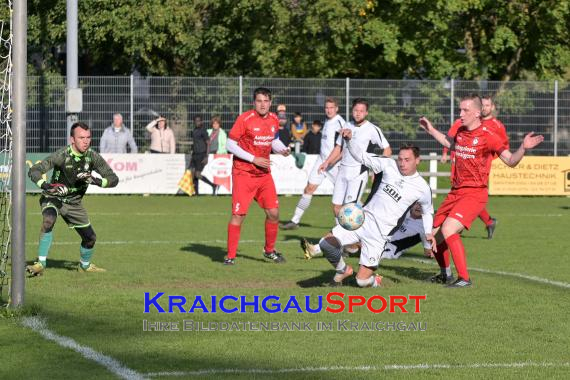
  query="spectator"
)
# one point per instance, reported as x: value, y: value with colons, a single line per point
x: 161, y: 137
x: 299, y: 128
x: 116, y: 137
x: 283, y: 132
x: 200, y: 149
x: 312, y: 144
x: 218, y: 136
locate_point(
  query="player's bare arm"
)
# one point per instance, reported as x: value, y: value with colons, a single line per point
x: 530, y: 141
x: 332, y: 159
x: 441, y: 138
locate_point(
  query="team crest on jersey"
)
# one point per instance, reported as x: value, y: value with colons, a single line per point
x: 86, y: 166
x: 475, y: 141
x: 400, y: 183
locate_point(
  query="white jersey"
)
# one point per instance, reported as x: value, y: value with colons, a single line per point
x: 330, y: 131
x: 362, y: 136
x: 411, y: 227
x: 393, y: 194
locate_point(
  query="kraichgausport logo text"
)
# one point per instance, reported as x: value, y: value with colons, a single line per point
x: 333, y: 302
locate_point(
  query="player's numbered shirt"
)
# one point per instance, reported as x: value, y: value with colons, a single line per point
x: 254, y: 134
x: 473, y: 152
x: 393, y: 195
x: 365, y: 136
x: 331, y: 131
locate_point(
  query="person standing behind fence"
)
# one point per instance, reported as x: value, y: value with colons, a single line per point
x: 200, y: 149
x: 312, y: 142
x: 284, y: 134
x: 298, y: 131
x: 161, y: 137
x: 116, y: 137
x: 218, y: 137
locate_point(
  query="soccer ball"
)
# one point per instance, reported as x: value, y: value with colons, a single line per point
x: 351, y: 216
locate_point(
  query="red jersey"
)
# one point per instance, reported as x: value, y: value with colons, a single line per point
x: 473, y: 152
x: 498, y: 128
x: 254, y: 134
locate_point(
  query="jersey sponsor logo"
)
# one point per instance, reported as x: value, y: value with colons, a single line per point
x: 392, y: 192
x: 465, y: 152
x: 263, y: 140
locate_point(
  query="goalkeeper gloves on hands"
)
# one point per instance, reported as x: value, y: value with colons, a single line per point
x: 57, y: 189
x: 87, y: 177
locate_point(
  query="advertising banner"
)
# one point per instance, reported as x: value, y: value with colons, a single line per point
x: 532, y: 176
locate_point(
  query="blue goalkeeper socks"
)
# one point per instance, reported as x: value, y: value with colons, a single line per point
x: 45, y: 243
x: 85, y: 254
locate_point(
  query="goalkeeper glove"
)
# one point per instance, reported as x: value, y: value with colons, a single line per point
x: 87, y: 177
x: 57, y: 189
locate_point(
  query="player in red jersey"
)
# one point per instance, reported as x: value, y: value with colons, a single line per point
x: 251, y: 140
x: 474, y: 146
x: 488, y: 120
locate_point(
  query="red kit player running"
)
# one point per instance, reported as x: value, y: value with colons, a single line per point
x: 251, y: 140
x: 474, y: 146
x: 488, y: 120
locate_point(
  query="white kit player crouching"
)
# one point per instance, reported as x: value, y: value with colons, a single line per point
x: 331, y: 130
x: 392, y: 196
x: 410, y: 233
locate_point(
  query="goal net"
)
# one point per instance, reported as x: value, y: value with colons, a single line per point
x: 5, y: 143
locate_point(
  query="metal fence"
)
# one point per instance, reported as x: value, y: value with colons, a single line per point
x: 396, y: 105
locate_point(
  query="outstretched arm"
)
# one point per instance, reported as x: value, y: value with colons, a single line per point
x: 530, y: 141
x: 441, y: 138
x: 372, y: 161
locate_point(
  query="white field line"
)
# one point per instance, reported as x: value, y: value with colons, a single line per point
x: 227, y: 214
x: 509, y: 274
x: 39, y: 325
x: 149, y: 242
x: 221, y: 241
x: 389, y: 367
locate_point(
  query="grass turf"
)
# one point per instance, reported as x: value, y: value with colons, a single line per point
x: 176, y: 245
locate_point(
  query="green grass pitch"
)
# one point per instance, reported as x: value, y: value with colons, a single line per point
x: 503, y: 327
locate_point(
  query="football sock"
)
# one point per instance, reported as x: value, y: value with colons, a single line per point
x: 233, y: 239
x: 367, y: 283
x: 85, y: 255
x: 442, y: 256
x: 332, y: 253
x: 485, y: 217
x: 271, y: 229
x: 45, y: 243
x: 208, y: 181
x: 458, y: 252
x: 317, y: 248
x: 303, y: 205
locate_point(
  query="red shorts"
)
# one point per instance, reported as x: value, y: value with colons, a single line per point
x: 464, y: 205
x: 247, y: 188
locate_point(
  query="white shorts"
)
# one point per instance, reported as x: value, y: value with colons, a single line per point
x: 369, y: 236
x: 316, y: 178
x: 349, y: 185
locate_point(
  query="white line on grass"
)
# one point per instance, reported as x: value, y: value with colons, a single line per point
x: 39, y: 325
x: 221, y: 241
x: 152, y: 213
x: 147, y: 242
x: 510, y: 274
x: 389, y: 367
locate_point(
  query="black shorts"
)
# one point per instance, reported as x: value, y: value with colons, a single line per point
x: 197, y: 161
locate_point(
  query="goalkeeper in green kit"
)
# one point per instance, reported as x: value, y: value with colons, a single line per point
x: 72, y: 167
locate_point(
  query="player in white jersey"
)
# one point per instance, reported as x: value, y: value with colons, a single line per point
x: 393, y: 195
x: 331, y: 130
x: 352, y: 175
x: 410, y: 233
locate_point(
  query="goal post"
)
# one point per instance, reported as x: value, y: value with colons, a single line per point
x: 19, y: 91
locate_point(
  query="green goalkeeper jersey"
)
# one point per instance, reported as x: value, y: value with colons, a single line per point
x: 67, y: 165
